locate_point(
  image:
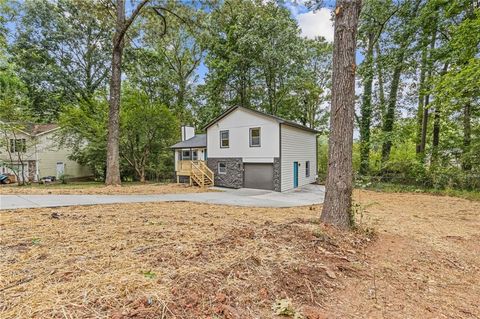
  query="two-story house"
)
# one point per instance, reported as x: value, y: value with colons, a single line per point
x: 33, y: 152
x: 248, y: 148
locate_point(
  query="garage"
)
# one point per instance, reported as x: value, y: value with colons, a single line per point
x: 258, y: 175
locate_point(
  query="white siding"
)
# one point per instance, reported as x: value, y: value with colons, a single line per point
x: 297, y: 145
x: 238, y: 123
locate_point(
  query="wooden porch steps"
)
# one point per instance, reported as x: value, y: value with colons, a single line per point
x: 201, y: 175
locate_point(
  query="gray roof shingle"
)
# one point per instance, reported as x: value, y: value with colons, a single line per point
x: 198, y: 141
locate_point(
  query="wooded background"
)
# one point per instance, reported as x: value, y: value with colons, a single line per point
x: 417, y: 81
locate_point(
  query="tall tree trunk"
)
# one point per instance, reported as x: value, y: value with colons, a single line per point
x: 467, y: 136
x: 381, y: 87
x: 366, y: 108
x: 391, y: 106
x: 113, y: 155
x: 121, y: 27
x: 425, y: 113
x: 436, y: 127
x: 421, y: 104
x: 338, y: 197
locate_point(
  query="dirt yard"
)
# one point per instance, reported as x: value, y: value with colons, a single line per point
x: 183, y: 260
x: 99, y: 189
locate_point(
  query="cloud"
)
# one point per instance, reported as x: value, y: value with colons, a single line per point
x: 316, y: 23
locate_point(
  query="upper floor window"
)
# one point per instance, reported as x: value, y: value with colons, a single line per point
x: 18, y: 145
x: 307, y: 169
x: 224, y: 139
x: 255, y: 137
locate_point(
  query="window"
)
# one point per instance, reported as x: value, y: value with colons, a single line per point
x: 186, y: 155
x: 307, y: 169
x: 224, y: 139
x: 255, y: 137
x: 18, y: 145
x: 222, y: 168
x: 194, y: 155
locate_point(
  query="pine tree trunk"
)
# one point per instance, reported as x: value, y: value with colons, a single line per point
x: 467, y: 136
x: 113, y: 157
x: 338, y: 197
x: 421, y: 100
x: 391, y: 107
x: 366, y: 109
x: 381, y: 89
x: 436, y: 127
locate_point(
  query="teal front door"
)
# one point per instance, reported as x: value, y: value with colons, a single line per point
x: 295, y: 174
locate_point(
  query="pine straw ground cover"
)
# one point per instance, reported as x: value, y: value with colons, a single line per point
x: 85, y: 188
x: 167, y: 260
x: 184, y: 260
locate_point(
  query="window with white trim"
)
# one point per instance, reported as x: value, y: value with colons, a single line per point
x: 222, y: 168
x: 224, y: 139
x: 186, y: 155
x: 194, y: 155
x: 255, y: 137
x: 18, y: 145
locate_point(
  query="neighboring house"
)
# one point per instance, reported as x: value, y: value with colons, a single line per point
x: 34, y: 152
x: 248, y: 148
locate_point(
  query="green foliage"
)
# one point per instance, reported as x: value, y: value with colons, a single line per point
x: 61, y: 52
x: 257, y: 58
x: 147, y: 130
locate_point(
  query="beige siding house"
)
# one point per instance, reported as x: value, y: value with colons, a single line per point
x: 34, y: 152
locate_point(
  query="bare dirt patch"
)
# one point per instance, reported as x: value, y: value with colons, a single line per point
x: 184, y: 260
x: 425, y: 263
x: 99, y: 189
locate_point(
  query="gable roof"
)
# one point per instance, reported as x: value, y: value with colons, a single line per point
x: 33, y: 129
x: 198, y: 141
x: 276, y: 118
x: 38, y: 129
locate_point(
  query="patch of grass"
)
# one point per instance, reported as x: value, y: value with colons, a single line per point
x: 36, y: 241
x: 149, y: 274
x: 399, y: 188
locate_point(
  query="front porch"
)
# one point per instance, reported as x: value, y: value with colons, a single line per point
x: 197, y: 172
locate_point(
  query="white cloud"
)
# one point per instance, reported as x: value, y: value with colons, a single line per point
x: 316, y: 23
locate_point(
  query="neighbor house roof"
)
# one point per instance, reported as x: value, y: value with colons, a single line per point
x: 33, y: 129
x: 37, y: 129
x: 276, y: 118
x: 198, y: 141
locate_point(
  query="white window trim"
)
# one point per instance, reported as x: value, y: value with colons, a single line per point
x: 259, y: 136
x: 218, y: 168
x: 190, y: 156
x: 228, y: 138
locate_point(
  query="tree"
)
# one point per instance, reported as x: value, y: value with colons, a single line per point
x: 338, y: 197
x: 13, y: 102
x: 121, y: 28
x: 61, y: 53
x: 374, y: 18
x: 166, y: 64
x: 148, y: 130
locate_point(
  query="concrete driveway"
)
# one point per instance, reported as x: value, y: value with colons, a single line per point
x: 306, y: 195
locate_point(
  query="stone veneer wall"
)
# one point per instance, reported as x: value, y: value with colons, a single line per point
x: 234, y: 176
x: 277, y: 174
